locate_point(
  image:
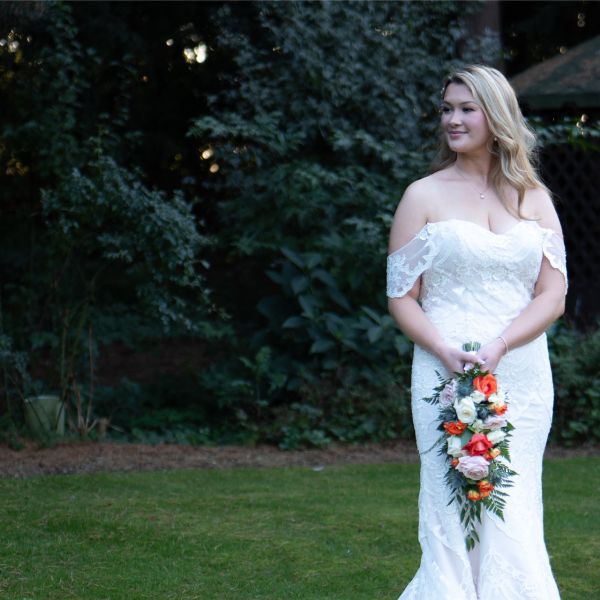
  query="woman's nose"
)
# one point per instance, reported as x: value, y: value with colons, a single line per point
x: 454, y: 118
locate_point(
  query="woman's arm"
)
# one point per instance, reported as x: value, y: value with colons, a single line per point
x: 413, y: 322
x: 411, y: 216
x: 547, y: 305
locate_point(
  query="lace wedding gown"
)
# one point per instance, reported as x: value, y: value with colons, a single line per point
x: 474, y: 283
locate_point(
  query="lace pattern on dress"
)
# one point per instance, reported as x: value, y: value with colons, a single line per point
x: 554, y: 251
x: 475, y: 283
x: 406, y: 264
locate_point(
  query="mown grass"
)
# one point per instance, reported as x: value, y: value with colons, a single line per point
x: 341, y: 533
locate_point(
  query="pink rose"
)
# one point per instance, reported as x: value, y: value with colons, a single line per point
x: 448, y: 394
x: 495, y: 422
x: 473, y: 467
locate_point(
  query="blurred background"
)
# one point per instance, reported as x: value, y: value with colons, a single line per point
x: 196, y: 196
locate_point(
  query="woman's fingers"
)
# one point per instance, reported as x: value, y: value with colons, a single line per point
x: 455, y: 360
x: 458, y: 361
x: 488, y: 358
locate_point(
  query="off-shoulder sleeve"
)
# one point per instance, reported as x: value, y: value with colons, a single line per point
x: 406, y: 264
x: 554, y: 251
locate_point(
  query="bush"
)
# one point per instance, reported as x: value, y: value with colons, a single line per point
x: 575, y: 357
x: 327, y: 111
x: 94, y: 253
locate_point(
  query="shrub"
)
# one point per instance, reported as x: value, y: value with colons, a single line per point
x: 327, y: 111
x: 575, y: 357
x: 98, y: 254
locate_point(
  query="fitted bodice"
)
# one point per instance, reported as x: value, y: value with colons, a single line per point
x: 473, y: 280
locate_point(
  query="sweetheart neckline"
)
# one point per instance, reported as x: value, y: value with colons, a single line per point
x: 480, y: 227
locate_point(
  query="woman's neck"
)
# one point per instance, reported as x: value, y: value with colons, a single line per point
x: 475, y: 168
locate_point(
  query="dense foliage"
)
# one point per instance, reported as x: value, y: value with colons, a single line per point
x: 91, y: 250
x: 321, y: 124
x: 225, y: 173
x: 575, y: 360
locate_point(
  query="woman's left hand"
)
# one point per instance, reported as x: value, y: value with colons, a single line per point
x: 490, y: 355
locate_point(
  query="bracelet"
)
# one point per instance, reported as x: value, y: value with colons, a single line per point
x: 504, y: 342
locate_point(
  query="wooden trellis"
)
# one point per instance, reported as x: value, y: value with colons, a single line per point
x: 574, y: 177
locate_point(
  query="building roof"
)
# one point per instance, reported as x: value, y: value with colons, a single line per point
x: 570, y: 79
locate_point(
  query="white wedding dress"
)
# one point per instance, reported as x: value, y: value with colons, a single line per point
x: 474, y: 283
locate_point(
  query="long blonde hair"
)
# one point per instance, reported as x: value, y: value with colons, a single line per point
x: 514, y: 144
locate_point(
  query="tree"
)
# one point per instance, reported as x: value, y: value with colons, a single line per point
x: 329, y: 112
x: 309, y: 119
x: 93, y: 249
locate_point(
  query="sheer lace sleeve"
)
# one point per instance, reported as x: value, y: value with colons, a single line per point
x: 554, y: 251
x: 406, y: 264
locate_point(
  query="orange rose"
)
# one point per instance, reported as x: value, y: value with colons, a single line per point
x: 485, y: 488
x: 455, y: 427
x: 479, y: 445
x: 473, y: 495
x: 492, y: 454
x: 486, y: 384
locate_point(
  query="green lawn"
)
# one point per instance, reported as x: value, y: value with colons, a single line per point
x: 343, y: 533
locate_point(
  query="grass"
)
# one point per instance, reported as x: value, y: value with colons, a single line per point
x: 343, y: 533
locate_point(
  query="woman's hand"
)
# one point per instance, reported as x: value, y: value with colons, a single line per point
x: 455, y: 359
x: 489, y: 356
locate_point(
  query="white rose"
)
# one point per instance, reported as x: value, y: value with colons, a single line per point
x: 477, y: 425
x: 499, y: 396
x: 496, y: 436
x: 465, y: 410
x: 454, y: 446
x: 477, y: 397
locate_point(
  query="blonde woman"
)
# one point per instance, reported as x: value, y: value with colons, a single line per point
x: 476, y: 254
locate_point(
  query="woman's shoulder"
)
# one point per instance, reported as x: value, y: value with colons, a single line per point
x: 422, y: 193
x: 538, y: 205
x: 430, y: 183
x: 415, y: 209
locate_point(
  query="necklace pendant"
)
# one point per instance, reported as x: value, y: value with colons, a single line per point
x: 482, y: 195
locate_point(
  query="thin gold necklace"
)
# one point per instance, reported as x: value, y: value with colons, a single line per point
x: 481, y: 194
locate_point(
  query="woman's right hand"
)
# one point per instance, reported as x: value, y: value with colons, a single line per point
x: 455, y: 359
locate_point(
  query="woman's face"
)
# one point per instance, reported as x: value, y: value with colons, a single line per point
x: 463, y: 121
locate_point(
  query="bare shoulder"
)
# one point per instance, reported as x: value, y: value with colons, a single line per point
x: 412, y: 213
x: 538, y: 205
x: 421, y: 195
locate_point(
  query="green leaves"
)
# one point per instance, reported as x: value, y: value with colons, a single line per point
x: 97, y: 238
x: 105, y: 219
x: 317, y: 129
x: 325, y: 318
x: 575, y: 358
x: 307, y: 124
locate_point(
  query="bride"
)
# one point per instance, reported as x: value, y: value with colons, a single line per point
x: 476, y: 254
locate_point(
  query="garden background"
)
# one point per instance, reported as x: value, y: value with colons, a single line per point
x: 195, y: 202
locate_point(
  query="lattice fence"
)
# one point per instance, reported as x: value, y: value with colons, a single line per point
x: 574, y: 178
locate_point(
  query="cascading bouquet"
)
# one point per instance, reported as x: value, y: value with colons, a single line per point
x: 475, y: 436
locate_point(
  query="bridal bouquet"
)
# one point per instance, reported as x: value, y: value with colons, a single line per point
x: 475, y: 436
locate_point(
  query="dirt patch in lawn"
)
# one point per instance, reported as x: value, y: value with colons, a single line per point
x: 92, y: 457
